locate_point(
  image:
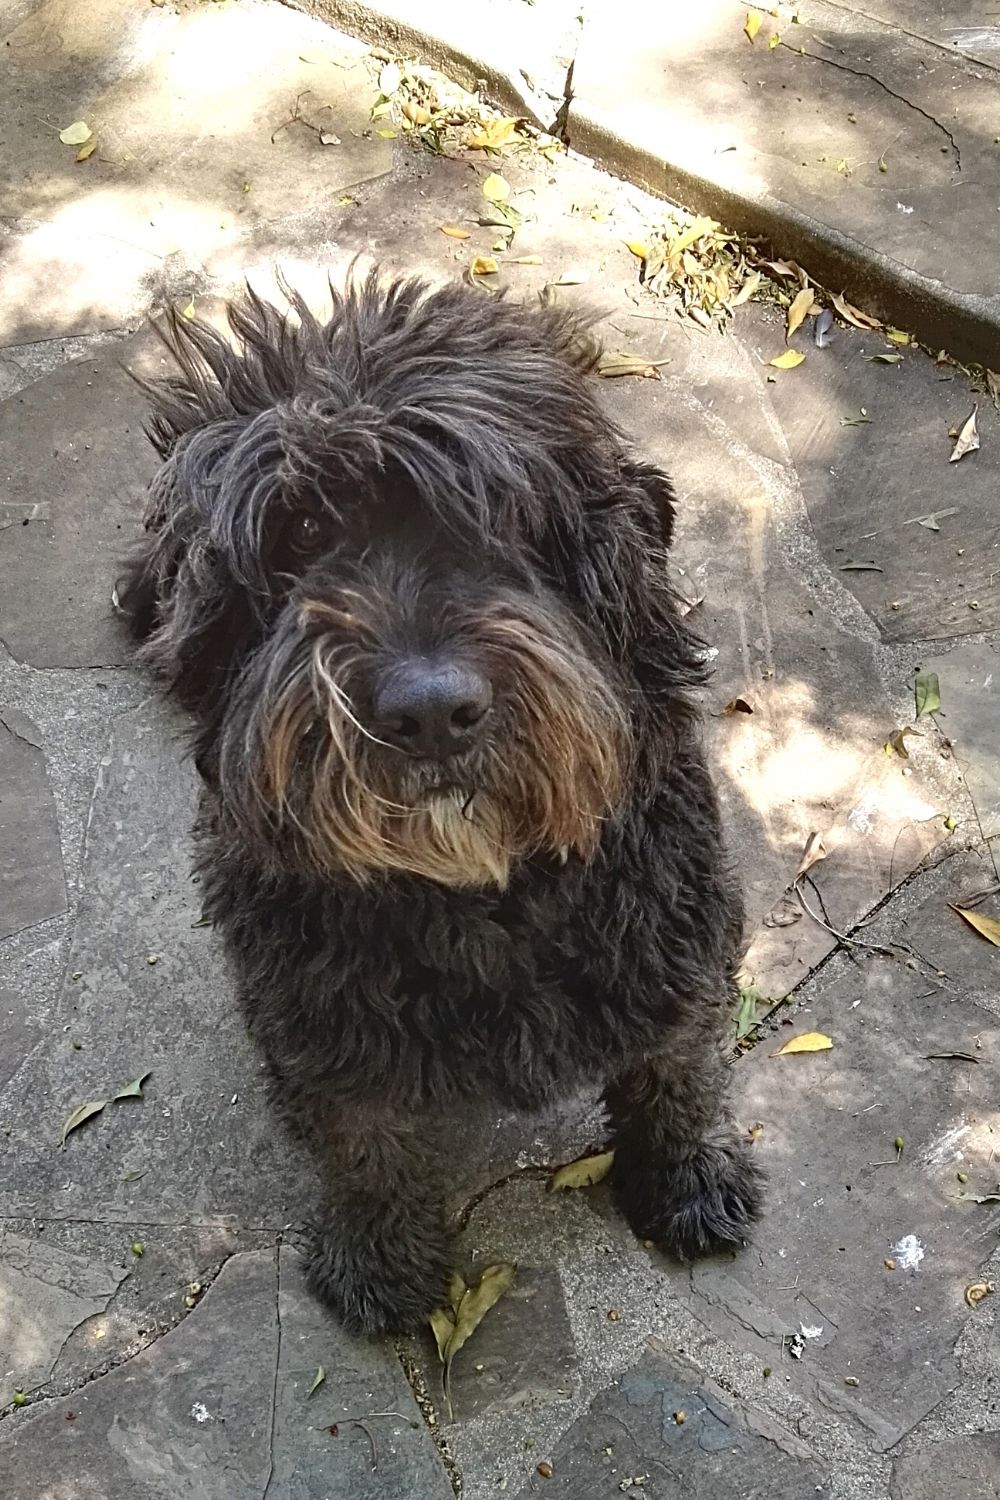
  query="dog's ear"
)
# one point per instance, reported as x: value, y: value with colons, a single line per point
x: 615, y: 569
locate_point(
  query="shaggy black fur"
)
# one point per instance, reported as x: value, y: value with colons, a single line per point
x: 428, y: 475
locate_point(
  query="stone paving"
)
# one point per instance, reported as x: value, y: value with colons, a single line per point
x: 151, y: 1308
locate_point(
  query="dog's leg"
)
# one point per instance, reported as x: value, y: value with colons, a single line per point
x: 682, y: 1174
x: 381, y: 1257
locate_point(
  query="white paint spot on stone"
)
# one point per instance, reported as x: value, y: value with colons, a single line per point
x: 945, y: 1148
x: 904, y: 208
x: 813, y: 1332
x: 908, y: 1253
x: 200, y: 1412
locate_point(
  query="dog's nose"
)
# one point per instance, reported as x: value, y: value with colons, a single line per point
x: 432, y: 707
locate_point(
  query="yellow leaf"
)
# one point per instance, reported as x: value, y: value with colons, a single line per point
x: 801, y: 305
x: 484, y: 265
x: 383, y: 107
x: 747, y: 290
x: 853, y: 314
x: 774, y: 41
x: 987, y: 927
x: 494, y: 134
x: 788, y: 360
x: 188, y: 312
x: 75, y: 134
x: 897, y: 336
x: 453, y: 231
x: 454, y: 1325
x: 690, y: 236
x: 87, y: 149
x: 613, y: 364
x: 583, y: 1173
x: 495, y: 188
x: 526, y: 260
x: 386, y: 135
x: 752, y: 23
x: 638, y: 248
x: 809, y: 1041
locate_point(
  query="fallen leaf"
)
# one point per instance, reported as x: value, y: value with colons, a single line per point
x: 494, y: 134
x: 454, y: 232
x: 571, y: 278
x: 752, y: 23
x: 861, y: 567
x: 814, y: 851
x: 87, y: 150
x: 380, y: 108
x: 386, y: 135
x: 746, y: 1013
x: 821, y: 332
x: 526, y: 260
x: 884, y: 359
x: 132, y: 1090
x: 79, y: 1115
x: 987, y: 927
x: 133, y: 1176
x: 783, y: 268
x: 484, y: 265
x: 898, y: 336
x: 638, y: 248
x: 738, y: 706
x: 454, y: 1325
x: 188, y: 312
x: 926, y: 693
x: 75, y: 134
x: 612, y: 364
x: 787, y: 912
x: 853, y: 314
x: 957, y: 1056
x: 583, y: 1173
x: 698, y: 227
x: 755, y: 1131
x: 327, y: 138
x: 774, y: 40
x: 747, y: 290
x: 993, y: 386
x: 862, y: 420
x: 979, y: 1197
x: 495, y: 188
x: 975, y: 1292
x: 801, y: 305
x: 896, y: 743
x: 932, y: 518
x: 809, y: 1041
x: 968, y: 438
x: 788, y: 360
x: 318, y: 1380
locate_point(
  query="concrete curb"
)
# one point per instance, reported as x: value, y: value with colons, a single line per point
x: 966, y: 324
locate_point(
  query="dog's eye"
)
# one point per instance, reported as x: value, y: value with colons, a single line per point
x: 307, y: 533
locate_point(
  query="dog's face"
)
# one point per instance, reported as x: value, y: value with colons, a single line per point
x: 409, y: 584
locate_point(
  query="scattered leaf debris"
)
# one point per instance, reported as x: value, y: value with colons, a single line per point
x: 752, y: 24
x: 977, y: 1290
x: 317, y: 1381
x: 495, y: 189
x: 453, y: 231
x: 484, y: 265
x: 967, y: 440
x: 454, y: 1324
x: 851, y: 314
x: 612, y: 364
x: 864, y: 565
x: 585, y: 1172
x: 798, y: 311
x: 931, y: 520
x: 884, y: 359
x: 896, y: 743
x: 75, y: 134
x: 738, y: 706
x: 746, y: 1011
x: 808, y: 1041
x: 84, y: 1112
x: 787, y: 361
x: 926, y: 693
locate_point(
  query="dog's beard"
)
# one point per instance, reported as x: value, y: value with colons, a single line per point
x: 304, y: 777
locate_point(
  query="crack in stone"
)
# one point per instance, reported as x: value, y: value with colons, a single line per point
x: 916, y: 36
x: 277, y: 1367
x: 901, y: 98
x: 413, y: 1375
x: 465, y: 1213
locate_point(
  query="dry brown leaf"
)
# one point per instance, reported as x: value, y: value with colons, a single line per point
x: 454, y: 232
x: 896, y: 743
x: 495, y: 188
x: 526, y: 260
x: 639, y: 248
x: 698, y: 227
x: 993, y: 386
x: 788, y: 360
x: 752, y: 24
x: 612, y: 364
x: 494, y: 134
x: 747, y: 290
x: 898, y: 336
x: 809, y: 1041
x: 975, y: 1293
x: 75, y: 134
x: 484, y: 265
x: 799, y: 310
x: 756, y: 1131
x: 583, y: 1173
x: 987, y: 927
x: 968, y: 438
x: 454, y: 1325
x: 87, y: 149
x: 738, y: 706
x: 853, y: 314
x: 814, y: 851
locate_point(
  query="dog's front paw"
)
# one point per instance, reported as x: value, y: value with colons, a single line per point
x: 695, y: 1205
x: 382, y: 1286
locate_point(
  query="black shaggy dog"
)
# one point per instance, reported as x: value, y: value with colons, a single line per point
x: 456, y: 826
